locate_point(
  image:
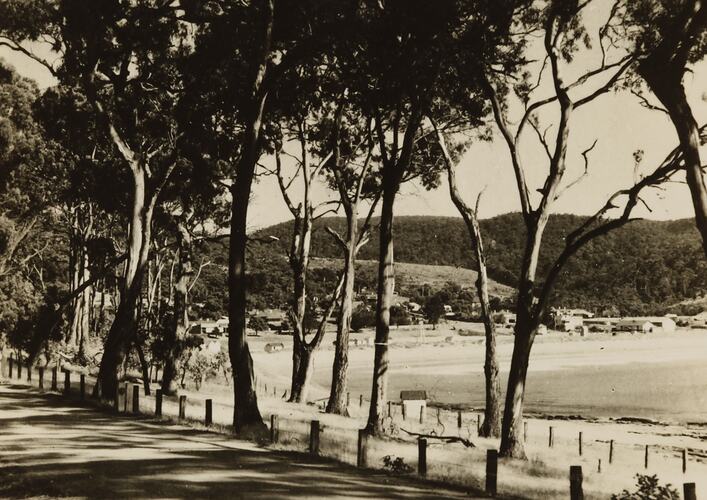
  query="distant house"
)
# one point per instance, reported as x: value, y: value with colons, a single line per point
x: 634, y: 325
x: 276, y: 318
x: 448, y: 311
x: 209, y: 328
x: 646, y: 324
x: 600, y: 324
x: 663, y: 323
x: 568, y: 320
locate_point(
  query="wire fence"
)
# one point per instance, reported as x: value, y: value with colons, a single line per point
x: 598, y: 467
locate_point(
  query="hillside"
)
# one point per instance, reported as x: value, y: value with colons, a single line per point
x: 408, y: 274
x: 645, y: 267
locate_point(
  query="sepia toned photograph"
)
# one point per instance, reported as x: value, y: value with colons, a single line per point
x: 353, y: 249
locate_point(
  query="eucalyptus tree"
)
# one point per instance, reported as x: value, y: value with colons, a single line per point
x: 32, y: 175
x: 451, y: 153
x: 241, y: 52
x: 563, y: 34
x: 123, y: 57
x: 353, y: 173
x: 404, y: 58
x: 670, y: 37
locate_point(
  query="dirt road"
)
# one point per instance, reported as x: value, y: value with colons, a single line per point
x: 49, y: 448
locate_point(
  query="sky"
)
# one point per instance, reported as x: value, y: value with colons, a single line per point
x: 617, y: 121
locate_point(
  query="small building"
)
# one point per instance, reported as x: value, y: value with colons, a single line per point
x: 568, y: 323
x: 634, y: 325
x: 210, y: 328
x: 600, y: 324
x: 663, y: 323
x: 413, y: 402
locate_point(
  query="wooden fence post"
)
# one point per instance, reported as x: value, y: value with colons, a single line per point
x: 54, y: 381
x: 491, y: 472
x: 158, y: 403
x: 478, y: 424
x: 645, y: 460
x: 361, y: 459
x: 688, y: 491
x: 208, y: 418
x: 274, y: 428
x: 525, y: 432
x: 580, y: 443
x: 684, y: 460
x: 348, y: 399
x: 599, y: 466
x: 314, y: 429
x: 82, y: 386
x: 67, y: 381
x: 576, y: 492
x: 404, y: 412
x: 459, y: 419
x: 182, y: 407
x: 611, y: 451
x: 422, y: 414
x: 422, y: 456
x: 389, y: 412
x: 550, y: 440
x: 41, y: 377
x: 360, y: 400
x: 136, y: 399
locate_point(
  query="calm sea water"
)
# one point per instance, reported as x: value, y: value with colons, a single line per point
x: 665, y: 391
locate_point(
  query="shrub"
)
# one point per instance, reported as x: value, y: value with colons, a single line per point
x: 396, y: 465
x: 362, y: 318
x: 648, y: 488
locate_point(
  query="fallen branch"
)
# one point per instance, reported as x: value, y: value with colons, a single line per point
x: 446, y: 439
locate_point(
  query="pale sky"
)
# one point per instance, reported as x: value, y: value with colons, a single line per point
x: 616, y: 120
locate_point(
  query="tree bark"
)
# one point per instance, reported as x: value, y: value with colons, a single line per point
x: 527, y: 321
x: 339, y: 381
x: 123, y: 330
x: 665, y: 82
x: 180, y: 319
x: 492, y: 411
x: 386, y: 289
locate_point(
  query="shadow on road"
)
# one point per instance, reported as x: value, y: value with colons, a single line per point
x: 49, y: 448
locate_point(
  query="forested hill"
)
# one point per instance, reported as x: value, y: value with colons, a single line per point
x: 644, y: 267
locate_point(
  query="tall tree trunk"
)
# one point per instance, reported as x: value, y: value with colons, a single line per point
x: 386, y: 288
x: 665, y: 82
x: 492, y: 411
x: 122, y: 331
x: 305, y: 369
x: 180, y: 321
x: 527, y: 320
x: 339, y: 378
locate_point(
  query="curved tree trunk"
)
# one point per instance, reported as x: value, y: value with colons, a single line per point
x: 666, y: 83
x: 123, y: 330
x: 492, y: 411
